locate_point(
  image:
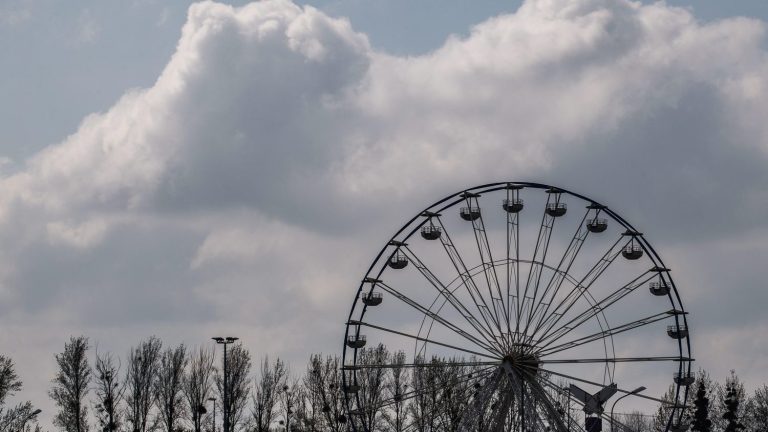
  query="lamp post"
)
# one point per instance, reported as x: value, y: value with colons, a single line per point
x: 288, y: 410
x: 213, y: 399
x: 635, y: 391
x: 225, y: 341
x: 32, y: 415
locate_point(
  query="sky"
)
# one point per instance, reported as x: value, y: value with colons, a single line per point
x: 191, y: 170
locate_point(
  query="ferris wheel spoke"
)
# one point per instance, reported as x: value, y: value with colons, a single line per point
x: 552, y: 416
x: 480, y: 400
x: 426, y: 365
x: 469, y: 283
x: 600, y: 385
x: 472, y: 375
x: 616, y: 360
x: 501, y: 413
x: 484, y: 331
x: 563, y: 267
x: 557, y: 388
x: 621, y: 426
x: 534, y: 272
x: 513, y: 244
x: 489, y: 269
x: 580, y: 288
x: 599, y: 307
x: 422, y: 339
x: 436, y: 317
x: 461, y: 379
x: 547, y: 349
x: 604, y: 416
x: 466, y: 378
x: 541, y: 395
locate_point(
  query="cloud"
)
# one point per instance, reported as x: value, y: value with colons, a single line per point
x: 251, y: 185
x: 82, y: 235
x: 15, y: 14
x: 87, y: 28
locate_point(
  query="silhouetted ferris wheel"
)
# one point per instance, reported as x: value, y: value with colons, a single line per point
x: 514, y: 323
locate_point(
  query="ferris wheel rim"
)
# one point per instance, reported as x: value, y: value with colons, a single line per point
x: 455, y: 198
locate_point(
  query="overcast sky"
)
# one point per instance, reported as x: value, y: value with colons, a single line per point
x: 194, y: 170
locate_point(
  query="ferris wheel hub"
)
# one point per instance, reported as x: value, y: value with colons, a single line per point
x: 522, y: 360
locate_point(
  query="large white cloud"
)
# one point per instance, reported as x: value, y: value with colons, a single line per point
x: 246, y: 190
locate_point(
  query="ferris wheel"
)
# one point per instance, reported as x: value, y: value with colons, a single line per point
x: 515, y: 307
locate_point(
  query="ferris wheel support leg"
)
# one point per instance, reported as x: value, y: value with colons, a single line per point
x: 538, y: 393
x: 472, y: 417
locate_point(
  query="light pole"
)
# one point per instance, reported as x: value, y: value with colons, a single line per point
x: 213, y: 399
x: 635, y: 391
x: 225, y: 341
x: 288, y: 410
x: 32, y: 415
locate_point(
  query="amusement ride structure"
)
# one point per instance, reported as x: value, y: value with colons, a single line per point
x: 542, y: 304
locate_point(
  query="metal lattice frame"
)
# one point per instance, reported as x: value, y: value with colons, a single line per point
x: 514, y: 320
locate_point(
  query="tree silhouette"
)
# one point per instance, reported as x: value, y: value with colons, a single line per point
x: 238, y: 385
x: 732, y: 409
x: 701, y: 421
x: 267, y: 391
x: 169, y: 390
x: 329, y: 387
x: 758, y: 410
x: 142, y: 366
x: 13, y: 419
x: 396, y: 389
x: 9, y: 379
x: 70, y: 386
x: 168, y: 384
x: 198, y: 385
x: 423, y: 403
x: 372, y: 385
x: 109, y: 393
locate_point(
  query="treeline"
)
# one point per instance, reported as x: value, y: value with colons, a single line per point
x: 157, y: 388
x: 178, y: 389
x: 713, y: 407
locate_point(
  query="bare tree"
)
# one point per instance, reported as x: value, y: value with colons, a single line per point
x: 109, y: 393
x: 16, y: 418
x: 331, y: 395
x: 264, y: 399
x: 9, y: 379
x: 168, y: 384
x: 315, y: 408
x: 372, y: 384
x: 142, y: 365
x: 636, y: 421
x: 665, y: 409
x: 756, y: 418
x: 238, y: 385
x: 454, y: 394
x: 395, y: 390
x: 290, y: 397
x: 198, y: 386
x: 562, y: 402
x: 422, y: 408
x: 70, y: 386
